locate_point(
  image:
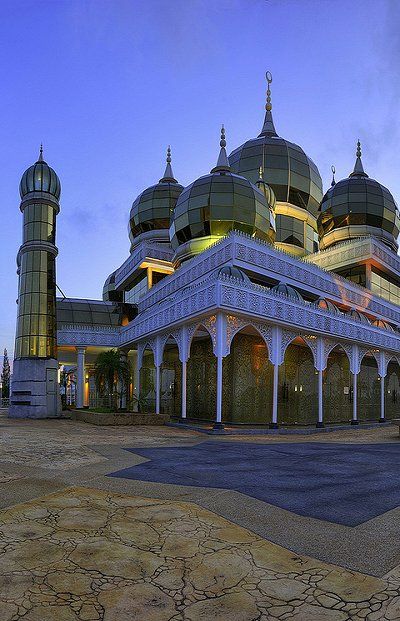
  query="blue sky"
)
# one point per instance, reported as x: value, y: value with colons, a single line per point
x: 107, y: 85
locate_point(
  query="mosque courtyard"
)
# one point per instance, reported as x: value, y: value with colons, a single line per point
x: 166, y: 524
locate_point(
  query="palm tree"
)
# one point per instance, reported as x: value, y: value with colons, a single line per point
x: 110, y: 370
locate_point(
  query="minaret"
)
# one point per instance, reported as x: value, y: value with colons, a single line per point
x: 35, y: 392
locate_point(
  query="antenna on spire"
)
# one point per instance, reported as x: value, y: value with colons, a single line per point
x: 333, y: 169
x: 358, y: 152
x: 223, y: 162
x: 168, y: 174
x: 268, y: 127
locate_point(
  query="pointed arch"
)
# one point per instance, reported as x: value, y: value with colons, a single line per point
x: 142, y: 346
x: 375, y: 354
x: 164, y: 340
x: 306, y: 341
x: 194, y: 328
x: 243, y: 326
x: 329, y: 346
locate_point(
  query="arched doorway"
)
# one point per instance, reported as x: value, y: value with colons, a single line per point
x: 337, y: 387
x: 148, y: 382
x: 248, y: 377
x: 368, y: 389
x: 171, y: 379
x: 298, y: 386
x: 392, y: 390
x: 201, y: 378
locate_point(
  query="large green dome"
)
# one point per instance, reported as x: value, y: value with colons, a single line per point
x: 356, y: 207
x: 217, y: 203
x: 40, y: 177
x: 292, y: 175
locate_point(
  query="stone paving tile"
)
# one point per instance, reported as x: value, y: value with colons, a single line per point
x: 65, y: 444
x: 83, y: 554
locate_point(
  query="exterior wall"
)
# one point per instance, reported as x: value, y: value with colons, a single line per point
x: 201, y: 381
x: 171, y: 382
x: 392, y: 390
x: 248, y: 377
x: 337, y: 388
x: 369, y: 390
x: 148, y: 382
x: 297, y: 393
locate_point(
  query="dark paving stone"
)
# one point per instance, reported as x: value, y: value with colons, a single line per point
x: 341, y: 483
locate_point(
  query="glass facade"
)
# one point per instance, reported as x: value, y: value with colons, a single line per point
x: 290, y: 230
x: 218, y: 203
x: 39, y: 223
x: 87, y: 312
x: 292, y: 175
x: 36, y: 322
x: 355, y: 274
x: 381, y: 285
x: 359, y: 201
x: 153, y: 208
x: 137, y: 290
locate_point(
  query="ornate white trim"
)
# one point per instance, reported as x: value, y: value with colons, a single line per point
x: 78, y: 334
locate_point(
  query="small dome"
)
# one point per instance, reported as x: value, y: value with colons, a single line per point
x: 287, y: 290
x: 355, y: 314
x: 109, y: 293
x: 380, y: 323
x: 357, y: 207
x: 217, y: 203
x: 40, y: 177
x: 327, y: 305
x: 233, y: 272
x: 153, y: 208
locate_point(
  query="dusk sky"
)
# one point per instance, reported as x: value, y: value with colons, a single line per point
x: 107, y: 85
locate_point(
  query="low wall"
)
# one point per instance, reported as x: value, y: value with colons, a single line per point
x: 119, y: 418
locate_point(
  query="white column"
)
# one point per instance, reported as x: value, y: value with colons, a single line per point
x: 320, y: 422
x: 80, y: 377
x: 354, y: 419
x: 158, y: 387
x: 136, y: 382
x: 382, y: 416
x: 274, y: 423
x: 123, y: 389
x: 184, y: 380
x: 218, y: 421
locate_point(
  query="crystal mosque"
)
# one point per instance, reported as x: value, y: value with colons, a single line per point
x: 249, y: 297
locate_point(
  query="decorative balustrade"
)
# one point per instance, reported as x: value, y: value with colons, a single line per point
x: 261, y: 257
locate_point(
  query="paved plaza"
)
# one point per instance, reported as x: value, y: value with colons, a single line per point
x: 166, y: 524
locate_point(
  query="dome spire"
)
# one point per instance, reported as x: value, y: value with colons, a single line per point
x: 41, y: 153
x: 333, y: 169
x: 223, y: 162
x: 168, y: 174
x: 268, y: 127
x: 358, y: 167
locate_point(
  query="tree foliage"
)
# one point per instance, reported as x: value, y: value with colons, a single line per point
x: 112, y: 375
x: 5, y: 376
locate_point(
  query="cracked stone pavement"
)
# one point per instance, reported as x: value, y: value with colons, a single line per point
x: 76, y: 545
